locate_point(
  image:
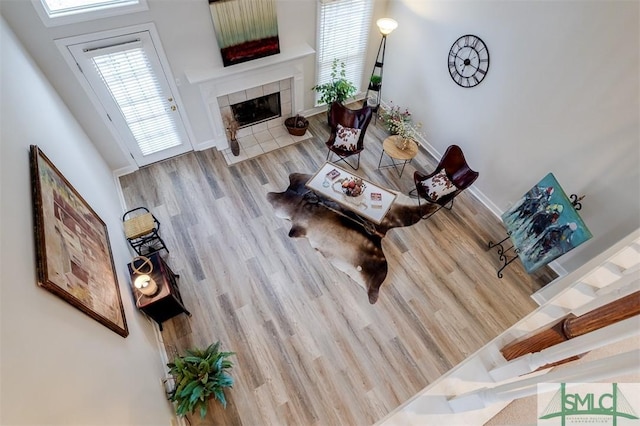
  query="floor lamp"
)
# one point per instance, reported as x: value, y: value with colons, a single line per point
x: 372, y: 97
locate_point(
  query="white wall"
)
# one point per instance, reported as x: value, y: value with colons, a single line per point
x: 189, y: 42
x: 561, y: 96
x: 58, y: 365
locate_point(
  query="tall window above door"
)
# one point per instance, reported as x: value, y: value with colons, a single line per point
x: 63, y: 12
x: 343, y: 34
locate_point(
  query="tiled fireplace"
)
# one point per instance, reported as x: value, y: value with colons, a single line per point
x: 265, y: 135
x: 278, y: 74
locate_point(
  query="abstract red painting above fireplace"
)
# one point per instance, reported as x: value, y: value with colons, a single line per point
x: 245, y: 29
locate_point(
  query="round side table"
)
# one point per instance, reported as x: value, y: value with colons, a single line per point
x: 399, y: 157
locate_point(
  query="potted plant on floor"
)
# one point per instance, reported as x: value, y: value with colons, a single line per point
x: 339, y: 89
x: 199, y: 376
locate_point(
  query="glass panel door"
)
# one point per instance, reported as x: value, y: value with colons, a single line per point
x: 128, y: 79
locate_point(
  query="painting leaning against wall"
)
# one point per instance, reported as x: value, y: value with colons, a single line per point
x: 245, y: 29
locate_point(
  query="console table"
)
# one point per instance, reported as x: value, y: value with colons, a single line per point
x: 166, y: 302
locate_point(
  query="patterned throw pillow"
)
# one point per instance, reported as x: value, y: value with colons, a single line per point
x: 438, y: 185
x: 346, y: 138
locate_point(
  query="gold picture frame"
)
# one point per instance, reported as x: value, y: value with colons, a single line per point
x: 73, y: 253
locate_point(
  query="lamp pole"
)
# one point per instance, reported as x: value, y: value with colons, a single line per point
x: 385, y: 26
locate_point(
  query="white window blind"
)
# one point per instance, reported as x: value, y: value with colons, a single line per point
x: 343, y: 33
x: 130, y: 79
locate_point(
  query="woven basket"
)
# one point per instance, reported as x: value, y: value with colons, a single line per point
x: 290, y: 122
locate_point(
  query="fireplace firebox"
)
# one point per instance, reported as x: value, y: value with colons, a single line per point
x: 257, y: 110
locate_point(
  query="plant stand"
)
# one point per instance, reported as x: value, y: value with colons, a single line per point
x: 374, y: 90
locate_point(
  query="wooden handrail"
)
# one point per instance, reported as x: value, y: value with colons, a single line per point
x: 571, y: 326
x: 618, y: 310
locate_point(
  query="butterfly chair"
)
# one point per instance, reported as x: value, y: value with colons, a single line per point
x: 141, y: 229
x: 348, y: 127
x: 452, y: 176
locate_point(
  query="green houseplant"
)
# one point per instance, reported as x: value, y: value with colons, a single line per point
x: 199, y: 376
x: 339, y: 89
x: 375, y: 82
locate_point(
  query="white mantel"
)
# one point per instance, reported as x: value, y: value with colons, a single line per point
x: 286, y: 55
x: 214, y: 83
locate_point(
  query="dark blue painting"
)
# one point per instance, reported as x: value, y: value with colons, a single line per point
x: 544, y: 225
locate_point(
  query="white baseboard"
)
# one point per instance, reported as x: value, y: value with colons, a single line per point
x: 124, y: 171
x: 211, y: 143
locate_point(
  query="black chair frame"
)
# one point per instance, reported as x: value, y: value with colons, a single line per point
x: 151, y: 240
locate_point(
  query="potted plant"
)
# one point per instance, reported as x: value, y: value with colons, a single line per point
x: 399, y: 122
x: 375, y: 82
x: 339, y: 89
x: 297, y: 125
x: 199, y: 376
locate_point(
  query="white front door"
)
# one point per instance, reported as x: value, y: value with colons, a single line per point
x: 127, y: 76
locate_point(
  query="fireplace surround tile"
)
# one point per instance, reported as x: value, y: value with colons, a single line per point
x: 237, y: 97
x: 255, y: 92
x: 223, y: 101
x: 272, y: 87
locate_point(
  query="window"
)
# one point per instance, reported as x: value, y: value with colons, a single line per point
x: 62, y: 12
x: 343, y: 33
x: 126, y: 75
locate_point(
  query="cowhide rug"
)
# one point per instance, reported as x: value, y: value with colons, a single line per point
x: 349, y: 243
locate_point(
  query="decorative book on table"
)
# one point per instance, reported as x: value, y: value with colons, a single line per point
x: 333, y: 174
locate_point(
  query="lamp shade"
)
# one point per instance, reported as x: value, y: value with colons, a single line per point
x: 386, y: 25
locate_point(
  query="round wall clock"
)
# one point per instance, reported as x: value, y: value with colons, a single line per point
x: 468, y: 61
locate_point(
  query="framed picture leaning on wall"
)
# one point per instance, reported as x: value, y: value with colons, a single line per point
x: 73, y: 253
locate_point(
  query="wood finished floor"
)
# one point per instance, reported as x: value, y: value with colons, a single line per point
x: 310, y: 348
